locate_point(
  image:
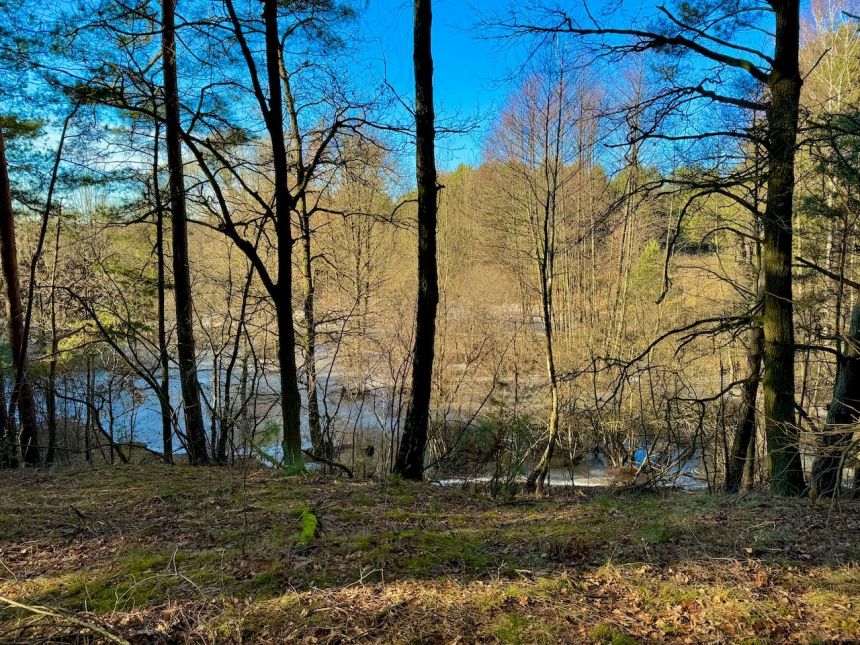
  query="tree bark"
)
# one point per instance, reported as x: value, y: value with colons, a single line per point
x: 784, y: 82
x: 8, y: 450
x: 322, y: 445
x: 743, y: 442
x: 186, y: 352
x: 410, y: 456
x: 284, y: 205
x: 22, y: 393
x: 161, y: 288
x: 51, y: 393
x: 537, y: 478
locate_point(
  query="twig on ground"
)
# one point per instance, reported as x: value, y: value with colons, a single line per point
x: 45, y: 611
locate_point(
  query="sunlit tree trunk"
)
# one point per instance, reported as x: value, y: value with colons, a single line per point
x: 322, y: 445
x: 8, y: 450
x: 781, y: 431
x: 544, y: 234
x: 537, y: 478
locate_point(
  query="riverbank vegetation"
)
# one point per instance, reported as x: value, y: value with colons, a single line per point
x: 219, y: 555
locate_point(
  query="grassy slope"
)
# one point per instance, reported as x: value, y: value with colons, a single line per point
x: 155, y: 553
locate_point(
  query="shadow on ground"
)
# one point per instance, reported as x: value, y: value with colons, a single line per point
x: 158, y: 554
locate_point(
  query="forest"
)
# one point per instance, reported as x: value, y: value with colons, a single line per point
x: 385, y: 321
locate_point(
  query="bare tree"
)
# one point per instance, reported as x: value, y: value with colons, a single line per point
x: 535, y: 143
x: 699, y: 30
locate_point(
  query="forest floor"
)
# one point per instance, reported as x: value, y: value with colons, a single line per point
x: 155, y: 554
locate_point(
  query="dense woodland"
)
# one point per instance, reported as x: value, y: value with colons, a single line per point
x: 216, y: 246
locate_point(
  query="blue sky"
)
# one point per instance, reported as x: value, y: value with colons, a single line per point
x: 471, y: 71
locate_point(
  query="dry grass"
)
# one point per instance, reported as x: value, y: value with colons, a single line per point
x: 157, y: 554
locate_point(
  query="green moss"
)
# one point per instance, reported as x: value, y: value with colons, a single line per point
x: 349, y: 514
x: 511, y: 629
x: 236, y: 624
x: 104, y: 594
x: 308, y: 525
x: 277, y: 495
x: 292, y: 470
x: 135, y: 579
x: 674, y: 594
x: 276, y: 539
x: 842, y: 581
x: 142, y: 561
x: 604, y: 501
x: 773, y: 536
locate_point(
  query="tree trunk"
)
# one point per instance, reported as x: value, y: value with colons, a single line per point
x: 186, y: 352
x: 537, y: 479
x: 90, y: 406
x: 8, y: 450
x: 291, y: 400
x: 410, y: 457
x: 163, y: 355
x: 786, y: 472
x: 322, y: 445
x: 283, y: 296
x: 842, y: 414
x: 743, y: 443
x: 22, y: 394
x: 51, y: 393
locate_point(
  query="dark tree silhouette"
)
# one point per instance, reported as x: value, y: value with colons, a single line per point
x: 410, y: 457
x: 186, y: 351
x: 22, y: 394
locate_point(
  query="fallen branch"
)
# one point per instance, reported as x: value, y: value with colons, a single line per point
x: 328, y: 462
x: 45, y: 611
